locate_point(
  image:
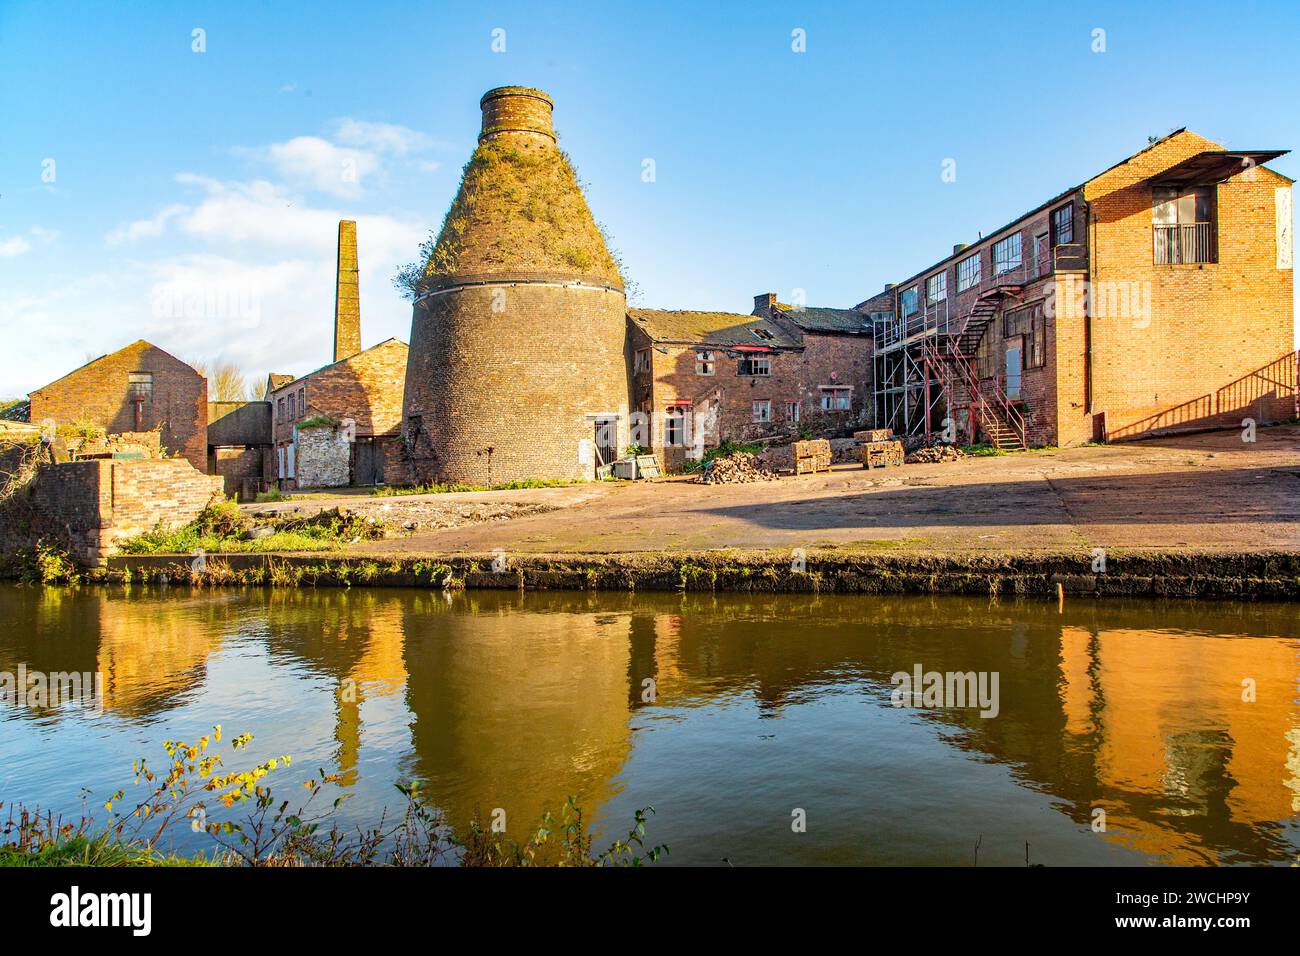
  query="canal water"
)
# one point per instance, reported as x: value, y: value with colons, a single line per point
x: 763, y: 730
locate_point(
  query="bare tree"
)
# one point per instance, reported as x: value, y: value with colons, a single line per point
x: 226, y: 383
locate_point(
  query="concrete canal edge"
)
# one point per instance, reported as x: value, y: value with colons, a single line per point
x: 1228, y: 576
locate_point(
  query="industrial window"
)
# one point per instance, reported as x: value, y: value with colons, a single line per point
x: 1183, y: 225
x: 1006, y: 254
x: 293, y: 406
x: 302, y: 402
x: 968, y: 272
x: 1063, y: 225
x: 837, y: 398
x: 279, y: 410
x: 907, y: 302
x: 754, y: 366
x: 792, y: 411
x: 704, y: 363
x: 642, y: 360
x: 762, y: 412
x: 936, y: 288
x: 141, y: 386
x: 675, y: 426
x: 1029, y: 325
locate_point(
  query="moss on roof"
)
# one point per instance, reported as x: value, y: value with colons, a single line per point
x: 710, y: 328
x: 826, y: 320
x: 520, y: 209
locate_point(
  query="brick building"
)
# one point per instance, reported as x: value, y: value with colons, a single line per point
x: 134, y: 390
x: 1155, y: 297
x: 341, y: 424
x: 699, y: 378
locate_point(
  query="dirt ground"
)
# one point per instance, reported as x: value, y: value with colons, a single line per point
x: 1210, y: 492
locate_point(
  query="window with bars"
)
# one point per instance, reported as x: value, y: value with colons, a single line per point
x: 968, y: 272
x: 1006, y: 254
x: 1183, y: 225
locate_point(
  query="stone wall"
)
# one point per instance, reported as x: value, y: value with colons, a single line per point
x: 324, y: 458
x: 89, y: 507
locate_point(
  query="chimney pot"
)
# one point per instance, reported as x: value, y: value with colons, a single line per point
x: 960, y: 247
x: 517, y: 112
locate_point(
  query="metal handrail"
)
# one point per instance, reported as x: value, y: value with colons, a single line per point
x: 1183, y: 243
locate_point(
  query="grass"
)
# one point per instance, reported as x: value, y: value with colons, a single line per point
x: 101, y: 849
x: 438, y: 488
x: 982, y: 450
x: 222, y: 528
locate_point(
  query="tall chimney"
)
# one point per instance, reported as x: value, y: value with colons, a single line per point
x: 347, y: 298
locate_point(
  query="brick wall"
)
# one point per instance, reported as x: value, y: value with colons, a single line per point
x: 366, y: 387
x: 90, y: 506
x: 518, y: 369
x: 99, y: 393
x: 1210, y: 324
x: 323, y: 458
x: 727, y: 398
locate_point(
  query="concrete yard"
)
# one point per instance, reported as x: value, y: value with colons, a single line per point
x: 1199, y: 493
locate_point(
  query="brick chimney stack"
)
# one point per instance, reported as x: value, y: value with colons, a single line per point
x: 347, y: 297
x: 518, y: 113
x: 765, y: 303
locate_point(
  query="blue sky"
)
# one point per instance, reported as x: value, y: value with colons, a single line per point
x: 191, y: 198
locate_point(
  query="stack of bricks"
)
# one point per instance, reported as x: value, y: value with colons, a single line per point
x: 812, y: 456
x: 879, y: 449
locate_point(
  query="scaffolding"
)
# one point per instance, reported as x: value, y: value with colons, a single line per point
x: 927, y: 380
x: 909, y: 390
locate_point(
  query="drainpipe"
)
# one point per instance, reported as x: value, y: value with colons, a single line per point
x: 1089, y: 277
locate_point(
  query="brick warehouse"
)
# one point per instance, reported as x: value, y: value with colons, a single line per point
x: 1155, y: 297
x: 137, y: 389
x: 341, y: 424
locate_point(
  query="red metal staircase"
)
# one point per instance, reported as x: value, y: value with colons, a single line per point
x: 952, y: 354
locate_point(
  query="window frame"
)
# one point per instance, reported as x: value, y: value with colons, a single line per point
x: 641, y: 361
x: 978, y: 275
x: 833, y: 393
x: 675, y: 422
x: 1010, y: 266
x: 766, y: 404
x: 792, y: 407
x: 915, y: 293
x: 140, y: 386
x: 937, y: 282
x: 703, y: 365
x: 1054, y: 237
x: 748, y: 362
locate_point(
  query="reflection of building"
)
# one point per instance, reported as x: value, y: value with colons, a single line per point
x: 517, y: 710
x: 1178, y: 734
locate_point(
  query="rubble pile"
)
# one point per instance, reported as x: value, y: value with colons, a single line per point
x: 930, y: 454
x: 734, y: 469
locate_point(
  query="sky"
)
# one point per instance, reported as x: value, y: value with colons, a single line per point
x: 175, y: 171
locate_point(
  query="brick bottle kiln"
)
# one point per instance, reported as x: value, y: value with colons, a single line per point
x: 517, y: 366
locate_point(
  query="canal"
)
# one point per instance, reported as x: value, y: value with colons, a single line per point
x: 762, y: 729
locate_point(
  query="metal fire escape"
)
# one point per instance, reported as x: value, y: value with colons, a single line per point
x: 926, y: 367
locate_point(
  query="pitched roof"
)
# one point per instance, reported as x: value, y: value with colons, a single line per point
x: 374, y: 348
x: 18, y: 412
x: 276, y: 380
x: 139, y: 345
x: 826, y: 320
x: 723, y: 329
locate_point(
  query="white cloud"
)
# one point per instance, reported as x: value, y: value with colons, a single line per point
x: 150, y: 228
x: 382, y: 137
x: 14, y: 246
x: 314, y: 163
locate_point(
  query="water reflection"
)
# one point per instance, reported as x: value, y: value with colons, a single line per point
x: 723, y: 711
